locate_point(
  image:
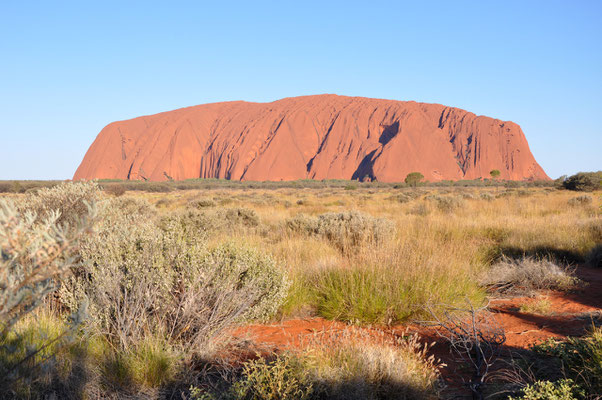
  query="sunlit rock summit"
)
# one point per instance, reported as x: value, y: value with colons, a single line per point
x: 311, y: 137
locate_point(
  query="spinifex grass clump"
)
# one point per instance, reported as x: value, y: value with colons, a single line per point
x: 382, y: 294
x: 386, y: 283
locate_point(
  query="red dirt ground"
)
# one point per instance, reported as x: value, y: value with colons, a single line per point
x: 570, y: 315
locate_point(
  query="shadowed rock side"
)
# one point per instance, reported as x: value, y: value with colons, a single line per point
x: 315, y: 137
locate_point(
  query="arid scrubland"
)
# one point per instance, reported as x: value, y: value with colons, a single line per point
x: 147, y: 285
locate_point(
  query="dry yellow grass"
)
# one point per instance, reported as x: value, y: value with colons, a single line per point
x: 439, y: 247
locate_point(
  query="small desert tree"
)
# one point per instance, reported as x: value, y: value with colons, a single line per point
x: 495, y: 173
x: 414, y: 178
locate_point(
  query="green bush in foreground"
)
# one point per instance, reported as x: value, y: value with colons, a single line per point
x: 285, y: 376
x: 579, y: 357
x: 37, y: 247
x: 141, y: 278
x: 564, y: 389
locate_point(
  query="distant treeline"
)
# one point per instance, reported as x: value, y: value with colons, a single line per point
x: 17, y: 186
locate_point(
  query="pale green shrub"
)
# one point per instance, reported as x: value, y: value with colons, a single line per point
x: 564, y: 389
x: 144, y: 278
x: 487, y: 196
x: 241, y: 216
x: 527, y: 274
x: 202, y: 203
x: 70, y: 199
x: 245, y: 274
x: 125, y: 272
x: 35, y: 253
x: 302, y: 223
x: 446, y: 204
x: 201, y: 222
x: 345, y: 229
x: 580, y: 200
x: 354, y: 228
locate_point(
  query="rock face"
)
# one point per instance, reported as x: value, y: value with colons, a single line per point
x: 311, y: 137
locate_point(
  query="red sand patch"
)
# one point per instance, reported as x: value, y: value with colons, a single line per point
x: 570, y: 315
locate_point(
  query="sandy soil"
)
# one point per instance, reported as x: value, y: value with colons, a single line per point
x: 570, y: 314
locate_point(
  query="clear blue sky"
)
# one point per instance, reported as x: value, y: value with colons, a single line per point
x: 69, y: 68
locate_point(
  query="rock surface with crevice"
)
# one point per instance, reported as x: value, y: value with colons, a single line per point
x: 311, y: 137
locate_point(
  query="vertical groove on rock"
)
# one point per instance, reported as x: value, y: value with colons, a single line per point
x: 319, y: 137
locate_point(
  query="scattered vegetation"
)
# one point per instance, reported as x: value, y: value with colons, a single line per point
x: 446, y: 204
x: 110, y: 293
x: 38, y: 248
x: 348, y: 369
